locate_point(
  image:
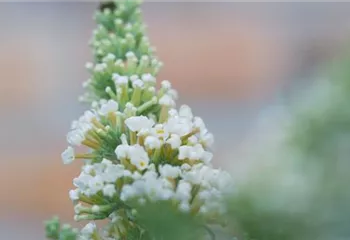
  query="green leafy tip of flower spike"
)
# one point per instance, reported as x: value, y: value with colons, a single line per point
x: 120, y: 47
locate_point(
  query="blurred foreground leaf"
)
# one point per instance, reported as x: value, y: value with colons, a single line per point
x: 164, y: 222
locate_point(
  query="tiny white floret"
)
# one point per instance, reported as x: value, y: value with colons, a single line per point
x: 68, y: 155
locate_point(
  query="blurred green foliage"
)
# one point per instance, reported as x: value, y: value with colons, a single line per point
x: 317, y: 147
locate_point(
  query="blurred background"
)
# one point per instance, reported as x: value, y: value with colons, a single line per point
x: 232, y: 62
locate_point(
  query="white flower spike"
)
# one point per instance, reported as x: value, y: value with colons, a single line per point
x: 141, y: 149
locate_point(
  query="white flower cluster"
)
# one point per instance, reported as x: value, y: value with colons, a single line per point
x: 193, y: 188
x: 138, y: 154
